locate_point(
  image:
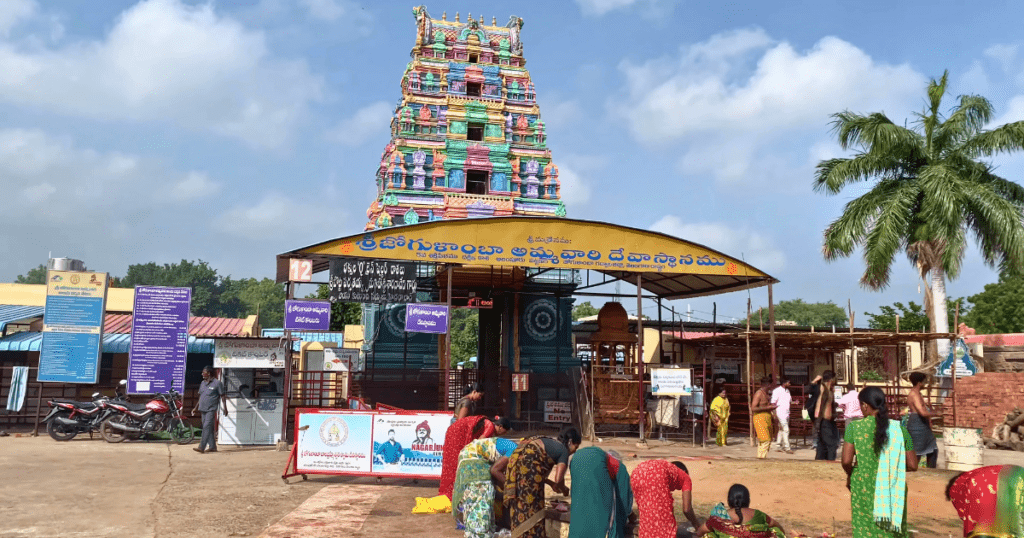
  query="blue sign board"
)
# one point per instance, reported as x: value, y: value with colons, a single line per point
x: 426, y: 318
x: 72, y: 327
x: 156, y: 359
x: 307, y: 315
x: 965, y: 365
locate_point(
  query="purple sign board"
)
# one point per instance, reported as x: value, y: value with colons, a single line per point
x: 156, y: 359
x: 307, y: 315
x: 426, y: 318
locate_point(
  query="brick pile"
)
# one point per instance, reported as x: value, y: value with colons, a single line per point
x: 983, y: 400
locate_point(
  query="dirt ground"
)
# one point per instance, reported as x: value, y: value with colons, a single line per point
x: 88, y: 488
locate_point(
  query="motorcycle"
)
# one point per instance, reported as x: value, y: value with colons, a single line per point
x: 68, y: 418
x: 163, y: 413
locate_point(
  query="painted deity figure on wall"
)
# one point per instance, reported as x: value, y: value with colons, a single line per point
x: 425, y: 28
x: 515, y: 24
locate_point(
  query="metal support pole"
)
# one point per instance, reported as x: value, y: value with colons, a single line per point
x: 448, y: 346
x: 750, y: 393
x: 640, y: 350
x: 287, y: 389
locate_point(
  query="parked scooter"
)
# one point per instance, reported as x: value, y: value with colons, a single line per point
x: 68, y: 418
x: 163, y: 413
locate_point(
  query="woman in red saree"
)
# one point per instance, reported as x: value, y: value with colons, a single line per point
x: 990, y: 501
x: 461, y: 433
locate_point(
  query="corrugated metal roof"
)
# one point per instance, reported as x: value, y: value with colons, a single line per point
x: 112, y: 343
x: 13, y: 313
x: 303, y: 336
x: 198, y: 325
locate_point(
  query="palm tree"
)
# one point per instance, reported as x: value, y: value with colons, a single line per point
x: 930, y: 189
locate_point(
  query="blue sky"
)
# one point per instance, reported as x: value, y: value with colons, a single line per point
x: 231, y: 131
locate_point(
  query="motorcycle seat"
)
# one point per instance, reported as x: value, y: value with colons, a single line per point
x: 135, y: 407
x: 82, y: 405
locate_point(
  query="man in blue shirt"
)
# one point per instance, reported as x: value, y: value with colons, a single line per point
x: 390, y: 452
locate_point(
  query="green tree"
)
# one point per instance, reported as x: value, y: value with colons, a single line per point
x: 583, y: 310
x: 930, y: 189
x: 206, y: 285
x: 912, y: 316
x: 465, y: 328
x: 804, y: 314
x: 248, y: 296
x: 36, y: 275
x: 341, y: 313
x: 1000, y: 308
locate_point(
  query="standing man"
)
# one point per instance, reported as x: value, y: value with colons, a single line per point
x: 812, y: 391
x: 919, y: 422
x: 761, y: 415
x: 782, y: 399
x: 390, y: 452
x: 210, y: 394
x: 850, y: 402
x: 825, y: 418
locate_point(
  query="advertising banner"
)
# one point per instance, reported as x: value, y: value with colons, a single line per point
x: 362, y: 280
x: 426, y: 318
x: 246, y: 353
x: 409, y: 443
x: 672, y: 381
x: 334, y: 443
x: 370, y: 443
x: 307, y: 315
x: 156, y: 358
x: 72, y: 327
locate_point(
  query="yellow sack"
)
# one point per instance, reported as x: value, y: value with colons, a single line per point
x: 432, y: 505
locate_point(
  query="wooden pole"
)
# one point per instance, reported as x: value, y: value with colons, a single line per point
x: 448, y: 346
x: 515, y: 354
x: 287, y: 389
x: 771, y: 331
x: 640, y: 348
x: 750, y: 393
x: 853, y: 349
x: 956, y: 323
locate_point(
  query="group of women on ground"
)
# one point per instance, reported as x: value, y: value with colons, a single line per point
x: 493, y: 480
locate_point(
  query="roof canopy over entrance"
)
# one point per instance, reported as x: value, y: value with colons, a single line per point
x: 669, y: 267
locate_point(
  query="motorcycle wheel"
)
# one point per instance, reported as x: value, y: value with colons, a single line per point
x: 60, y: 432
x: 182, y: 432
x: 111, y: 434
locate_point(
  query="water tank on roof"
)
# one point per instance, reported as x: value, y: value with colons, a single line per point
x: 65, y: 264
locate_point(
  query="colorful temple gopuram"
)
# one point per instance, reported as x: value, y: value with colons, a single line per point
x: 467, y: 139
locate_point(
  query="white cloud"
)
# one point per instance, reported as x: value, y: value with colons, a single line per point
x: 758, y: 250
x: 738, y: 93
x: 600, y: 7
x: 193, y: 185
x: 278, y: 216
x: 168, y: 62
x: 364, y: 126
x: 325, y: 10
x: 560, y: 114
x: 1006, y: 55
x: 12, y: 12
x: 575, y: 190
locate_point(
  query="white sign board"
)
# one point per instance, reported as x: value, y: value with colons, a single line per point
x: 671, y: 381
x: 338, y: 359
x: 246, y: 353
x: 722, y: 367
x: 555, y: 411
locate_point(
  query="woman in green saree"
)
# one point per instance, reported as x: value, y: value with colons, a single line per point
x: 740, y: 520
x: 602, y: 499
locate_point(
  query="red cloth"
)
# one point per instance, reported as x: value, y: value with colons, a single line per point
x: 613, y: 467
x: 974, y: 496
x: 653, y: 482
x: 456, y: 438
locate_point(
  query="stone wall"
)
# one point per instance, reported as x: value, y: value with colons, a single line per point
x: 983, y: 400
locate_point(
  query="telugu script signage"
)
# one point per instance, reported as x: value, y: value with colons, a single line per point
x: 360, y: 280
x: 557, y: 412
x: 568, y: 245
x: 307, y: 315
x: 156, y: 358
x: 965, y: 365
x: 72, y: 327
x: 426, y: 318
x: 248, y: 353
x: 671, y: 381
